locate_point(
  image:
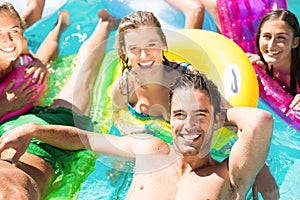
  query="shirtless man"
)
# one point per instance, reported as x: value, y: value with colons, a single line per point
x: 185, y: 169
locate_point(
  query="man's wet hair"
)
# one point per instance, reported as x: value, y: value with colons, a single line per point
x: 197, y: 81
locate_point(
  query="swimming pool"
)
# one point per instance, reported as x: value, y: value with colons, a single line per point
x: 105, y: 181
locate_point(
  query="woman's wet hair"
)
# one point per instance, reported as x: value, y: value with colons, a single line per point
x: 291, y: 20
x: 9, y: 8
x: 197, y: 81
x: 133, y: 21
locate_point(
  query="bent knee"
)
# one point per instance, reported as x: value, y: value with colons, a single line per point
x: 196, y: 8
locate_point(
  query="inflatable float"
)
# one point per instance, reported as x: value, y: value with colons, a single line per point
x: 231, y: 71
x: 106, y: 182
x: 67, y: 186
x: 239, y: 22
x: 110, y: 184
x: 17, y: 75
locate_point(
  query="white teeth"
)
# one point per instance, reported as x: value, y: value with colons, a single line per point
x: 190, y: 137
x: 273, y: 52
x: 146, y: 63
x: 8, y: 49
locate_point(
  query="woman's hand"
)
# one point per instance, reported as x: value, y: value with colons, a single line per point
x: 295, y: 105
x: 255, y: 59
x: 38, y: 69
x: 14, y: 99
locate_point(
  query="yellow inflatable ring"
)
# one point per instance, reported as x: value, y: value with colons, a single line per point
x: 220, y: 59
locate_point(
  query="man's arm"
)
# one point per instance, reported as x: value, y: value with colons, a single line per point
x: 248, y: 154
x: 71, y: 138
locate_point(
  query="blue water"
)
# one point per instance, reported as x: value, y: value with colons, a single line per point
x: 104, y: 182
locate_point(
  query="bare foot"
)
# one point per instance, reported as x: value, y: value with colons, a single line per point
x: 63, y: 20
x: 104, y: 15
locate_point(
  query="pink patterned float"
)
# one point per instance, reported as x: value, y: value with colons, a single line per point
x: 239, y: 22
x: 18, y: 75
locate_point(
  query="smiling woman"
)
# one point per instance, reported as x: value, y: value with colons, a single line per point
x: 279, y: 53
x: 146, y: 78
x: 17, y: 93
x: 277, y: 87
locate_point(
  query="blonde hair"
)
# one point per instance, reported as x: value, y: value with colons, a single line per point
x: 10, y: 9
x: 135, y: 21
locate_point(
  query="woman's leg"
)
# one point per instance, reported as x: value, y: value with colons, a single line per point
x: 193, y: 11
x: 33, y: 12
x: 48, y: 50
x: 211, y: 7
x: 77, y: 91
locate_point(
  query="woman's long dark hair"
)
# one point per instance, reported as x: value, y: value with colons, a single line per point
x: 290, y: 19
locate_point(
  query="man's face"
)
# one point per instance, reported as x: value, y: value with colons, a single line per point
x: 192, y: 121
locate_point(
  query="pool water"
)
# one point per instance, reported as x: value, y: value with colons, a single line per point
x: 111, y: 178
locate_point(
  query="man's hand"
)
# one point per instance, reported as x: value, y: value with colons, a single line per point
x: 266, y: 185
x: 18, y: 139
x: 38, y: 69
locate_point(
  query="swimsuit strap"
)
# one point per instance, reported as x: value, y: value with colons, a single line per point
x: 22, y: 61
x: 127, y: 87
x: 140, y: 115
x: 184, y: 67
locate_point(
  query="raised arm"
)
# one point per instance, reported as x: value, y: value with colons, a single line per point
x: 248, y: 154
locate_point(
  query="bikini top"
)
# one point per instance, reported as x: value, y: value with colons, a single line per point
x: 143, y: 116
